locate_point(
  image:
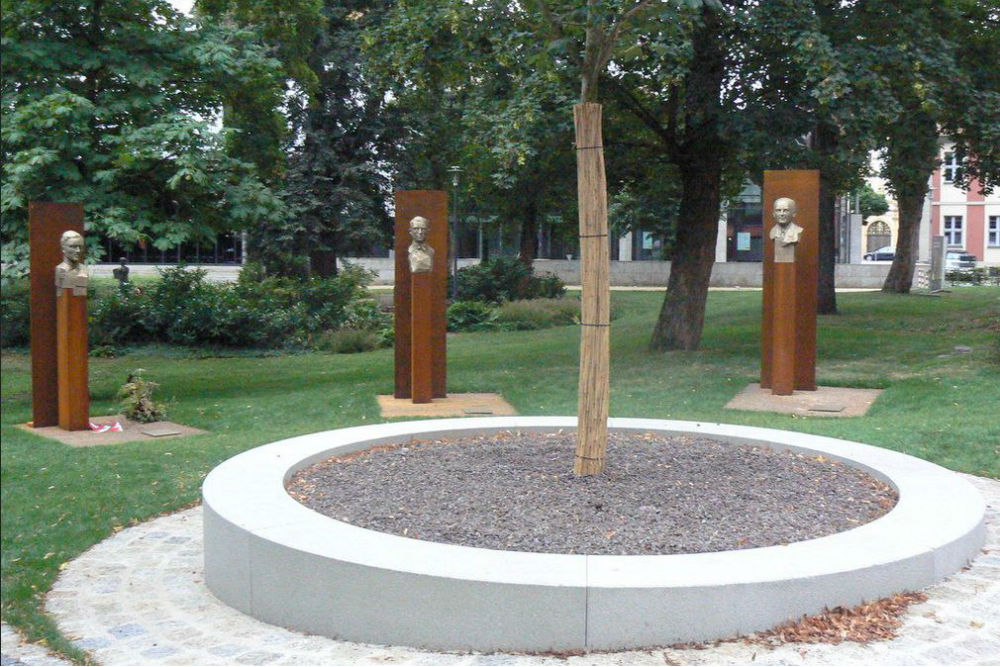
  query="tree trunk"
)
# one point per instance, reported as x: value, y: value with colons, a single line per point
x: 911, y: 208
x: 323, y: 260
x: 699, y: 158
x: 529, y: 230
x: 826, y: 302
x: 911, y: 157
x: 682, y: 315
x: 594, y: 389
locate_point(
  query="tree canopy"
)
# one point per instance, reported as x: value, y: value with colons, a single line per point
x: 295, y: 121
x: 113, y: 103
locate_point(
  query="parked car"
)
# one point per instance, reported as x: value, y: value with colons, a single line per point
x: 956, y: 259
x: 882, y: 254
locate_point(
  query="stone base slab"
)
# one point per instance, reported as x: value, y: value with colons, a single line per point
x: 824, y: 402
x: 453, y: 405
x: 131, y: 432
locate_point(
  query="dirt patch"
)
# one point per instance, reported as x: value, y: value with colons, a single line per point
x: 658, y: 495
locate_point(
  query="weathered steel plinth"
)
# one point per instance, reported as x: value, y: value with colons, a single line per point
x: 46, y: 223
x: 428, y: 307
x: 71, y: 355
x: 788, y: 325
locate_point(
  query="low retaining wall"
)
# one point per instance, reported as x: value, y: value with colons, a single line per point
x: 656, y: 274
x: 623, y: 274
x: 278, y: 561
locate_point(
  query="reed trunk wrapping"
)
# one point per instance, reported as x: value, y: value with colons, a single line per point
x: 592, y: 436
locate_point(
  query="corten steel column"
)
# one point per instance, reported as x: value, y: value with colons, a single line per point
x: 433, y: 205
x: 71, y: 345
x: 783, y: 330
x: 46, y: 223
x: 802, y: 186
x: 421, y: 366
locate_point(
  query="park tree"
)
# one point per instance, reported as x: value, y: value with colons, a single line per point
x: 335, y: 134
x: 871, y: 203
x: 943, y: 80
x: 112, y: 103
x: 471, y: 91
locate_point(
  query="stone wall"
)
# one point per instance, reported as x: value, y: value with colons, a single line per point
x: 623, y: 274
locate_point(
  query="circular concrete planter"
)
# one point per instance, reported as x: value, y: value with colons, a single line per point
x: 280, y: 562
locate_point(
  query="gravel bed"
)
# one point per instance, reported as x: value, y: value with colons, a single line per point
x: 658, y: 495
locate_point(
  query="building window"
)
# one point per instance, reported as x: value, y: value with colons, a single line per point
x: 993, y: 231
x: 953, y: 231
x: 949, y: 170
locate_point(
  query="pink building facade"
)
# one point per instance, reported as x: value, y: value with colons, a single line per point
x: 968, y: 220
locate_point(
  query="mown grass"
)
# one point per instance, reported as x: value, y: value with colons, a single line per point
x: 938, y: 404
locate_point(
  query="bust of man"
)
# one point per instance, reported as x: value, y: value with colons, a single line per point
x: 71, y: 273
x: 421, y: 254
x: 785, y: 232
x: 121, y: 272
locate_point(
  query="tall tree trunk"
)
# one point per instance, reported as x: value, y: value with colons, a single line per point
x: 911, y: 208
x: 911, y: 156
x: 699, y: 158
x: 827, y: 139
x: 529, y: 230
x: 682, y: 315
x: 323, y: 260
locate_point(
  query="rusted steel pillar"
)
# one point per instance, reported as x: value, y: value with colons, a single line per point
x: 798, y: 290
x: 46, y: 223
x: 433, y: 205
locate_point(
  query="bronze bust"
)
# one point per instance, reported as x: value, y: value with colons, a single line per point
x: 785, y: 232
x: 421, y: 253
x: 71, y: 273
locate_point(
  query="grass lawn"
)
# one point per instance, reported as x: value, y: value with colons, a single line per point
x: 938, y: 404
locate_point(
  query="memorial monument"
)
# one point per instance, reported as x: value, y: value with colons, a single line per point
x: 420, y: 293
x: 120, y: 273
x: 47, y: 224
x: 791, y: 251
x: 71, y: 281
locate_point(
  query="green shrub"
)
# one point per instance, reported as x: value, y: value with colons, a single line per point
x: 348, y: 341
x: 472, y: 316
x: 539, y: 313
x: 505, y: 279
x: 366, y: 314
x: 136, y: 397
x: 975, y: 276
x: 117, y: 318
x: 15, y: 313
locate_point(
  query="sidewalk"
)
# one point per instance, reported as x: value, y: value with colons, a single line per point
x: 138, y: 599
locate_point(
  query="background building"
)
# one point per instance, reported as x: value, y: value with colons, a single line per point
x: 968, y: 220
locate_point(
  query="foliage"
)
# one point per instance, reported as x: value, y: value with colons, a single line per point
x: 338, y: 134
x: 981, y: 275
x: 183, y: 308
x: 15, y: 313
x: 538, y: 313
x: 136, y: 397
x: 349, y: 341
x: 114, y: 107
x: 506, y: 279
x: 871, y: 203
x: 472, y: 316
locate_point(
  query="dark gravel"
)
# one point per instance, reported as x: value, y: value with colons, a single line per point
x: 658, y: 495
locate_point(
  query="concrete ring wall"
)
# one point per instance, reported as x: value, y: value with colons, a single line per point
x: 278, y: 561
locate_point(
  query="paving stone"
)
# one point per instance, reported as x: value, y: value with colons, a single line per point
x: 161, y: 613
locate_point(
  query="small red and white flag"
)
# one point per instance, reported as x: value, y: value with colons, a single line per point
x: 104, y: 428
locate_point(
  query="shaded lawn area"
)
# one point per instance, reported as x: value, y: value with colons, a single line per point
x: 938, y: 404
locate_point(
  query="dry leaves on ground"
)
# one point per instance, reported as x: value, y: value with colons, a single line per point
x: 873, y: 621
